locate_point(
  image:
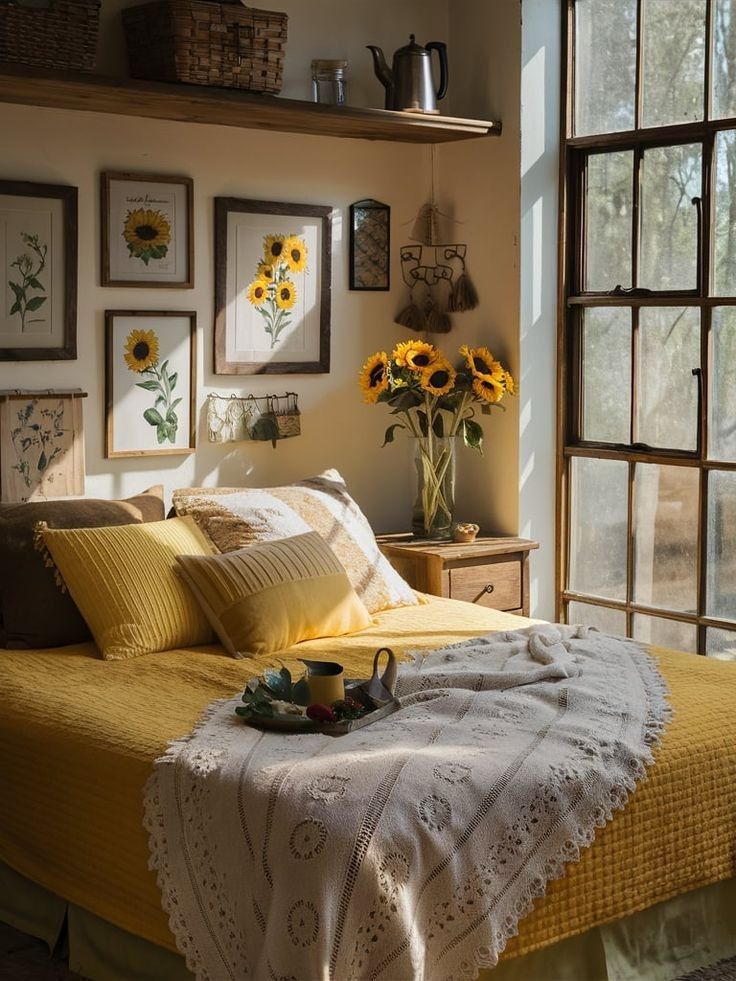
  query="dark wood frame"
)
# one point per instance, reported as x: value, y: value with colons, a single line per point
x: 223, y: 207
x: 105, y: 276
x: 573, y: 300
x: 369, y: 204
x: 110, y: 316
x: 68, y: 196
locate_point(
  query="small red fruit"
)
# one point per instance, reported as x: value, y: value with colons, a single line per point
x: 320, y: 713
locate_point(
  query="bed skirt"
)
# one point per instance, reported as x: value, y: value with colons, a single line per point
x: 658, y: 944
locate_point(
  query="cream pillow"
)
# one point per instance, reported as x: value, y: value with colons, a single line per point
x: 237, y: 517
x: 124, y: 584
x: 267, y: 597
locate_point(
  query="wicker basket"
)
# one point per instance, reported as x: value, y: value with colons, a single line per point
x: 207, y: 43
x: 59, y: 34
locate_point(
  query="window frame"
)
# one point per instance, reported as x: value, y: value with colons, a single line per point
x: 573, y: 300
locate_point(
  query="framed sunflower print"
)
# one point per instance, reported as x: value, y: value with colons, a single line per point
x: 38, y: 272
x: 150, y: 375
x: 147, y: 235
x: 272, y: 287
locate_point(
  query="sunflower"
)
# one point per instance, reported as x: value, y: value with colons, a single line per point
x: 265, y: 271
x: 147, y: 233
x: 295, y: 253
x: 480, y: 361
x: 285, y: 295
x: 488, y: 388
x: 141, y: 350
x: 416, y: 355
x: 438, y: 378
x: 374, y: 376
x: 273, y: 249
x: 509, y: 383
x: 258, y: 292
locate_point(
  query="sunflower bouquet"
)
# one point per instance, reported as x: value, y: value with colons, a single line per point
x: 435, y: 401
x: 272, y: 292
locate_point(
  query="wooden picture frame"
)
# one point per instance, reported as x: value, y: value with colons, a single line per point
x: 257, y: 332
x: 143, y: 409
x: 38, y: 271
x: 147, y: 228
x: 370, y: 246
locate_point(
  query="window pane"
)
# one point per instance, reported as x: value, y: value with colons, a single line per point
x: 605, y: 65
x: 673, y: 76
x: 722, y: 425
x: 666, y: 536
x: 598, y: 518
x: 724, y: 271
x: 670, y: 179
x: 600, y: 617
x: 721, y: 561
x: 724, y: 57
x: 720, y: 644
x: 607, y: 374
x: 666, y: 633
x: 608, y: 220
x: 669, y: 349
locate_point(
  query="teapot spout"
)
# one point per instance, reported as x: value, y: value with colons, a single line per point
x: 383, y: 72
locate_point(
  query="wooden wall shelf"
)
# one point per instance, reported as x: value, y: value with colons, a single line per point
x: 227, y: 107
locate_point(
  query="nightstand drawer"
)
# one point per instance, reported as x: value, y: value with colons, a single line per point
x: 494, y: 584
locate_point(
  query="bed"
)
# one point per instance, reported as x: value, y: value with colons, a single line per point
x: 78, y: 738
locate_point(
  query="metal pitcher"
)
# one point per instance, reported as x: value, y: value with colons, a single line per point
x: 409, y: 83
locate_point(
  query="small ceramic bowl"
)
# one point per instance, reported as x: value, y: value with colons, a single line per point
x: 465, y: 532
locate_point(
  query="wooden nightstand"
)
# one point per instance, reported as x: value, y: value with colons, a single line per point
x: 491, y: 571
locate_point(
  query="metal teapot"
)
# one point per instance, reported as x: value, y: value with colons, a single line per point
x: 409, y: 83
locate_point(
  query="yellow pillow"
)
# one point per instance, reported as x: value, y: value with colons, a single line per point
x: 266, y: 597
x: 124, y: 583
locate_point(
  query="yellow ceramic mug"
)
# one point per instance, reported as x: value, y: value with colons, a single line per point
x: 326, y: 680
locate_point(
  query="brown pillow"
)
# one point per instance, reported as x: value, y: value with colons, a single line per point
x: 34, y: 612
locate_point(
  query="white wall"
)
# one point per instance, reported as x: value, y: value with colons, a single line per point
x: 540, y: 115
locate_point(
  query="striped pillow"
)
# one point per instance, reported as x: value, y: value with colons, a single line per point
x: 124, y: 584
x: 237, y: 517
x: 267, y: 597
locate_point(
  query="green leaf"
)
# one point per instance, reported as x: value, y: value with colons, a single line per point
x: 154, y: 417
x: 438, y: 425
x: 14, y: 309
x: 18, y: 290
x: 171, y: 417
x: 389, y: 436
x: 36, y: 284
x: 176, y: 402
x: 473, y: 435
x: 173, y: 379
x: 162, y: 432
x: 423, y: 424
x: 245, y: 710
x: 35, y: 302
x: 150, y: 386
x: 42, y: 462
x: 405, y: 400
x: 300, y: 692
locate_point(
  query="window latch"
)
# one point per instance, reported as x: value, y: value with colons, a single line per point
x: 620, y: 290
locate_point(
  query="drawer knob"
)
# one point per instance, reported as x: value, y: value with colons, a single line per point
x: 488, y: 588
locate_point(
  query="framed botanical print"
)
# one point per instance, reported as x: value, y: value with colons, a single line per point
x: 370, y: 245
x: 147, y: 234
x: 38, y: 272
x: 150, y: 383
x: 272, y: 287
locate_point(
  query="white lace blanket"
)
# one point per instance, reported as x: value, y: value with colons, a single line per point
x: 411, y: 848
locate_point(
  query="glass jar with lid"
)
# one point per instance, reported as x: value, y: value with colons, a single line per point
x: 328, y: 81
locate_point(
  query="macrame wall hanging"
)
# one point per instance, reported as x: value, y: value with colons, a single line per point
x: 234, y: 418
x: 435, y: 273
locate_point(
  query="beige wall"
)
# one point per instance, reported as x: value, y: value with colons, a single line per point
x: 479, y: 185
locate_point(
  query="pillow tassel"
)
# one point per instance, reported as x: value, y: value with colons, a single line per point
x: 40, y: 545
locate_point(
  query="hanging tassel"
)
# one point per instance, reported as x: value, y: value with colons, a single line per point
x: 464, y: 295
x: 438, y: 321
x: 412, y: 317
x: 426, y: 226
x: 40, y: 546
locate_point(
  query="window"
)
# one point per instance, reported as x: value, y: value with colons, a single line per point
x: 647, y: 421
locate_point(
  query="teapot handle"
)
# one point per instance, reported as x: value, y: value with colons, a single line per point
x: 441, y: 48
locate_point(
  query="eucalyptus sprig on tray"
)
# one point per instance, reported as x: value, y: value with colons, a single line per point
x: 272, y: 686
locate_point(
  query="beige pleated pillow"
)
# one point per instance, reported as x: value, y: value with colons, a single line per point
x: 124, y: 583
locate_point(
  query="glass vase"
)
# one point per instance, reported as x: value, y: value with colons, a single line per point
x: 434, y: 506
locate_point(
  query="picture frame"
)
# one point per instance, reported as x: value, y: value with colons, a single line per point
x: 150, y: 355
x: 38, y: 266
x: 147, y: 228
x: 370, y: 246
x: 256, y: 330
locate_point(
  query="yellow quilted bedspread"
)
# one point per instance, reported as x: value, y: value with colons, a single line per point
x: 78, y: 737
